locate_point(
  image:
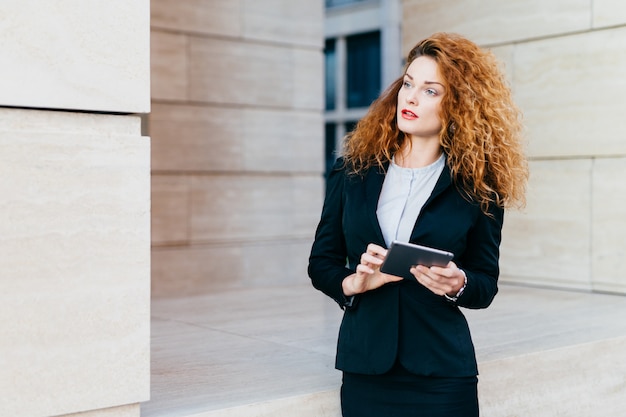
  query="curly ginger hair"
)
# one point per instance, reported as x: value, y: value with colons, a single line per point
x: 481, y: 131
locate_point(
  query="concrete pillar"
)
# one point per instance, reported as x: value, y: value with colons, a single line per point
x: 75, y: 186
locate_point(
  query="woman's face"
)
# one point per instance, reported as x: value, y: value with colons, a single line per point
x: 419, y: 99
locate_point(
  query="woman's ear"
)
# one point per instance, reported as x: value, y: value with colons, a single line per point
x: 451, y: 128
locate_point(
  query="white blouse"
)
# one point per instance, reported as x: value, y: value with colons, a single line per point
x: 404, y: 192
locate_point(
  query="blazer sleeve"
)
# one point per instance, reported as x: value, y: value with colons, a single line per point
x: 328, y: 259
x: 480, y: 260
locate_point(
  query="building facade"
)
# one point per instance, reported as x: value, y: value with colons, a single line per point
x: 362, y: 54
x: 232, y: 94
x: 236, y: 127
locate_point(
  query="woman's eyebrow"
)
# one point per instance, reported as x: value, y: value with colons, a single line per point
x: 406, y: 74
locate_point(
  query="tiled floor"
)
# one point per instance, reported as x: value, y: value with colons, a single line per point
x: 248, y: 346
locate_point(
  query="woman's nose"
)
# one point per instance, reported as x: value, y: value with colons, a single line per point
x: 411, y: 99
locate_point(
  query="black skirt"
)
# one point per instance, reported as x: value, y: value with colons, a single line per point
x: 399, y: 393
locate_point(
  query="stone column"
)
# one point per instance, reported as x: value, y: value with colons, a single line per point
x: 75, y: 210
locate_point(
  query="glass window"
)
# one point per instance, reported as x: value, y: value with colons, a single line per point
x: 330, y: 148
x: 363, y: 69
x: 349, y: 126
x: 330, y: 67
x: 336, y: 3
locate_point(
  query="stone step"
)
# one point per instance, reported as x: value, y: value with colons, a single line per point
x: 584, y: 380
x: 270, y: 352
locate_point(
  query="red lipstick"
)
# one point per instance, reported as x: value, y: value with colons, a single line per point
x: 408, y: 114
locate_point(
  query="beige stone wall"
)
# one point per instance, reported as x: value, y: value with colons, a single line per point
x: 75, y: 230
x: 237, y: 134
x: 566, y: 61
x: 91, y: 57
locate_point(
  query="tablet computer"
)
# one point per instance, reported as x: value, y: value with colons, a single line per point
x: 402, y: 256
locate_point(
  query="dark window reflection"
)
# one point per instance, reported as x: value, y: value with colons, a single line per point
x: 330, y: 68
x: 363, y: 69
x: 337, y: 3
x: 330, y: 153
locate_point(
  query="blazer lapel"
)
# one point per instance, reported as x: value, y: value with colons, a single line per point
x: 373, y: 186
x: 444, y: 181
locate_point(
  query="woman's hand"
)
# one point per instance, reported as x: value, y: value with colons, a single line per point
x: 447, y: 280
x: 368, y: 275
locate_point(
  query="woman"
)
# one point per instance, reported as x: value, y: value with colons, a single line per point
x: 434, y: 162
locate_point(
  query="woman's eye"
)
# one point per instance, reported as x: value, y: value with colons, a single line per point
x: 431, y: 92
x: 406, y: 84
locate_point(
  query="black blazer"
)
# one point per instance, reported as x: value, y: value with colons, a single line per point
x: 405, y: 321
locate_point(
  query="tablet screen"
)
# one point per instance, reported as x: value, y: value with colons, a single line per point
x: 402, y: 256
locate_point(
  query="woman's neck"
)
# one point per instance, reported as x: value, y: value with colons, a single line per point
x: 414, y: 155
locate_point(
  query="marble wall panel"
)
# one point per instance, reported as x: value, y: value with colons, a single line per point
x: 76, y: 55
x: 233, y: 72
x: 202, y: 269
x: 230, y: 208
x: 279, y: 141
x: 549, y: 242
x: 308, y: 79
x: 573, y: 93
x: 169, y: 66
x: 608, y: 13
x: 170, y: 209
x: 308, y: 198
x: 294, y: 21
x: 193, y: 138
x: 493, y: 21
x: 237, y: 132
x: 215, y: 17
x: 282, y: 21
x: 188, y: 270
x: 505, y: 54
x: 75, y: 264
x: 275, y: 263
x: 608, y: 226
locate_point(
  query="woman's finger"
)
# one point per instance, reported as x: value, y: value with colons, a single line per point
x: 370, y: 259
x: 364, y: 269
x: 376, y: 250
